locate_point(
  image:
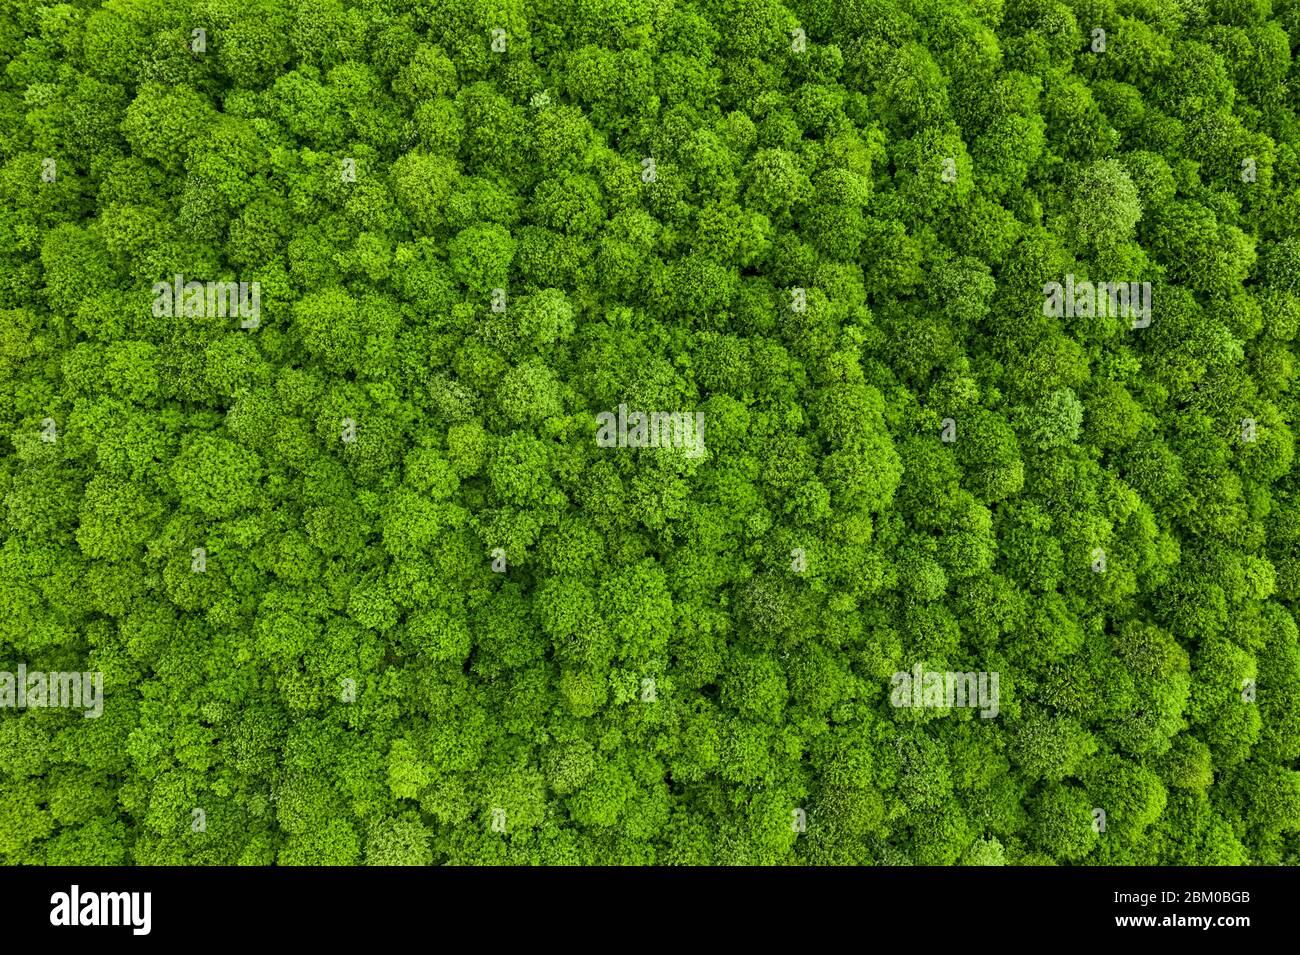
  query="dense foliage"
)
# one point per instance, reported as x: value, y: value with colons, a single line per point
x: 364, y: 587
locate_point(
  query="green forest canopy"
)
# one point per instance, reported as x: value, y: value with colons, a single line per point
x: 363, y: 586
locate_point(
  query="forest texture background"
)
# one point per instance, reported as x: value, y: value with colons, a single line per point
x: 360, y: 582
